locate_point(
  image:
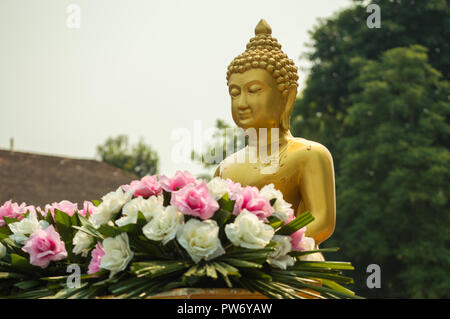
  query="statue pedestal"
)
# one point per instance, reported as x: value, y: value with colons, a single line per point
x: 219, y: 293
x: 216, y: 293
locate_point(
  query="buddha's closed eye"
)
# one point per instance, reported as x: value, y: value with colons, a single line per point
x: 235, y: 92
x: 254, y: 88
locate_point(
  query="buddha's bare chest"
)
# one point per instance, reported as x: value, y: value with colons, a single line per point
x: 282, y: 175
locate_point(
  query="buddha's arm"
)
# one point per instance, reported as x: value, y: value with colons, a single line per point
x: 316, y: 181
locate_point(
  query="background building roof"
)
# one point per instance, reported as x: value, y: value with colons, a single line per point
x: 40, y: 179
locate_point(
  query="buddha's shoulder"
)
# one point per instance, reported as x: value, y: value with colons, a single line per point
x: 306, y: 150
x: 232, y: 160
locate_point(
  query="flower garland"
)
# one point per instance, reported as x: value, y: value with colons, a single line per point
x: 160, y: 233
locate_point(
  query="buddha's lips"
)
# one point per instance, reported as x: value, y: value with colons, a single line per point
x: 244, y: 115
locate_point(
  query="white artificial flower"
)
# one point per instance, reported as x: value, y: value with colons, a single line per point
x: 283, y: 209
x: 2, y: 250
x: 111, y: 204
x: 200, y: 239
x: 248, y: 231
x: 117, y: 254
x: 82, y: 242
x: 164, y: 225
x: 218, y: 187
x: 148, y: 207
x: 279, y: 257
x: 308, y: 243
x: 22, y: 229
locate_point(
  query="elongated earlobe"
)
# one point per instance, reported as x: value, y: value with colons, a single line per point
x: 286, y: 115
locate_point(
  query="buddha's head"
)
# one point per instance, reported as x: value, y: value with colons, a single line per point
x: 262, y: 83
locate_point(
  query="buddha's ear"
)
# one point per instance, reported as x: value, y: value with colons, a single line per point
x: 290, y: 99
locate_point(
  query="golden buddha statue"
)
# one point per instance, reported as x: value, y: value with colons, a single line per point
x: 262, y: 83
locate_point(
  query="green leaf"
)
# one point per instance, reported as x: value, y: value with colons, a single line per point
x: 135, y: 228
x: 62, y: 219
x: 167, y: 196
x: 324, y: 264
x: 254, y: 255
x: 74, y: 221
x: 321, y: 275
x: 27, y: 284
x: 307, y: 252
x: 325, y: 291
x: 13, y: 247
x: 87, y: 227
x: 5, y: 232
x: 241, y: 263
x: 84, y: 221
x: 10, y: 275
x: 26, y: 214
x: 96, y: 202
x: 221, y: 217
x: 271, y: 289
x: 291, y: 227
x: 49, y: 218
x: 191, y: 271
x: 133, y: 288
x: 64, y: 228
x: 32, y: 294
x: 72, y: 293
x: 256, y: 274
x: 20, y: 262
x: 109, y: 231
x: 143, y: 245
x: 226, y: 204
x: 275, y: 222
x: 9, y: 220
x: 228, y: 268
x: 211, y: 271
x: 154, y: 269
x: 335, y: 286
x: 64, y: 278
x: 89, y: 230
x: 225, y: 270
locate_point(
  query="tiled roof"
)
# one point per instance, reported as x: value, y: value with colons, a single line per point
x: 40, y: 179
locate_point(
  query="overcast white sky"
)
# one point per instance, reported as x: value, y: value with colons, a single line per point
x: 141, y: 68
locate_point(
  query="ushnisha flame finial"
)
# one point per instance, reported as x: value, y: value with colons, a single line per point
x: 264, y: 52
x: 263, y: 28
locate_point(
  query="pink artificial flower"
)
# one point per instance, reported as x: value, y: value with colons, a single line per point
x: 146, y: 187
x: 88, y: 207
x: 234, y: 187
x: 297, y: 239
x: 45, y: 245
x: 195, y: 200
x: 97, y: 254
x: 177, y: 182
x: 248, y: 198
x: 31, y: 209
x: 12, y: 210
x: 65, y: 206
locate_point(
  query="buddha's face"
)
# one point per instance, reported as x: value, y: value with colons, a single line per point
x: 255, y: 100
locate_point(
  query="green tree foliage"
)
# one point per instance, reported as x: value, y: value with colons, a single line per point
x: 393, y: 182
x: 224, y: 140
x: 139, y: 159
x: 320, y: 112
x: 379, y: 100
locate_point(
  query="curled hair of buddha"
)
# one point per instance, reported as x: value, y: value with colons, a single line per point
x: 264, y: 52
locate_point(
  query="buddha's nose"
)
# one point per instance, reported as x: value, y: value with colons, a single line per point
x: 242, y: 104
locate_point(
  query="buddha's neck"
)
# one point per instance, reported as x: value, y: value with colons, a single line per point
x: 269, y: 140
